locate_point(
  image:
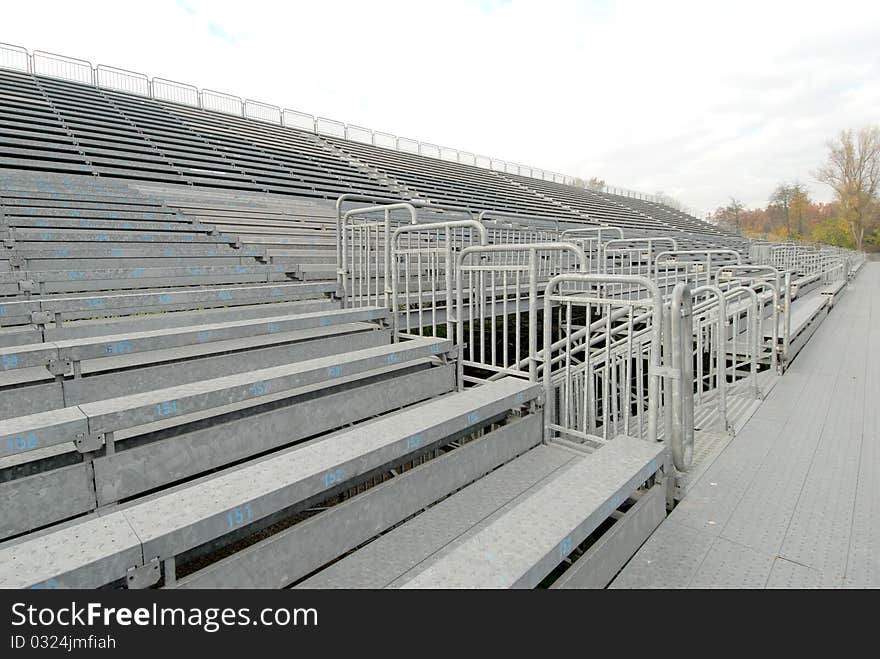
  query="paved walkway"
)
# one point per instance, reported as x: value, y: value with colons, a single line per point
x: 794, y: 499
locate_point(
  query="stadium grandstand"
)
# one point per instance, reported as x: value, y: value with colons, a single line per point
x: 241, y: 346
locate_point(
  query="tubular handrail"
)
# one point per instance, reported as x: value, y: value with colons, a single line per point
x: 721, y: 352
x: 709, y: 253
x: 786, y: 310
x: 485, y: 215
x: 532, y: 250
x: 387, y: 210
x: 587, y: 232
x: 450, y: 263
x: 353, y: 197
x: 680, y: 337
x: 746, y: 291
x: 654, y: 367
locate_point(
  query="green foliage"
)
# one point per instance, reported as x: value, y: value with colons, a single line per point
x: 833, y: 231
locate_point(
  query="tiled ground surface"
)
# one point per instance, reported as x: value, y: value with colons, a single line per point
x: 794, y: 500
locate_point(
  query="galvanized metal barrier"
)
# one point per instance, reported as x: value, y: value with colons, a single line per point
x: 592, y: 232
x: 603, y: 363
x: 497, y: 289
x: 423, y: 263
x: 744, y: 339
x: 590, y: 240
x: 710, y: 324
x: 755, y: 275
x: 512, y: 228
x: 365, y: 254
x: 693, y: 266
x: 678, y: 400
x: 631, y: 257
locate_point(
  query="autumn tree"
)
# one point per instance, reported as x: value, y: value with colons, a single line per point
x: 852, y: 171
x: 732, y: 214
x: 799, y: 206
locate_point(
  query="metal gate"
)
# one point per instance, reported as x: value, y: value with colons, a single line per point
x: 604, y: 366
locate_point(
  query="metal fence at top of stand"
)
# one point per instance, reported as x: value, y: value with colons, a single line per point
x: 498, y: 314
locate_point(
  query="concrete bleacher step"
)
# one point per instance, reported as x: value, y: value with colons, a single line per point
x: 315, y: 271
x: 179, y: 225
x: 808, y: 311
x: 387, y: 559
x: 833, y: 291
x: 301, y: 413
x: 296, y: 256
x: 167, y: 525
x: 125, y: 412
x: 509, y: 529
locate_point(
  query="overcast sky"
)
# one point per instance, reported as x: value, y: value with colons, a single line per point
x: 700, y: 100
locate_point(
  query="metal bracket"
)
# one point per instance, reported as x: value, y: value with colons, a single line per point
x: 16, y: 261
x: 666, y: 372
x: 59, y: 366
x: 143, y: 576
x: 88, y: 443
x: 27, y: 285
x: 9, y: 242
x: 41, y: 317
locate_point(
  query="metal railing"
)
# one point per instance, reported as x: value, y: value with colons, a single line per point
x: 497, y: 308
x: 602, y: 361
x: 365, y: 258
x: 679, y: 393
x: 664, y: 330
x: 779, y: 288
x: 63, y: 67
x: 744, y: 340
x: 423, y: 263
x: 632, y: 257
x: 710, y: 324
x: 694, y: 266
